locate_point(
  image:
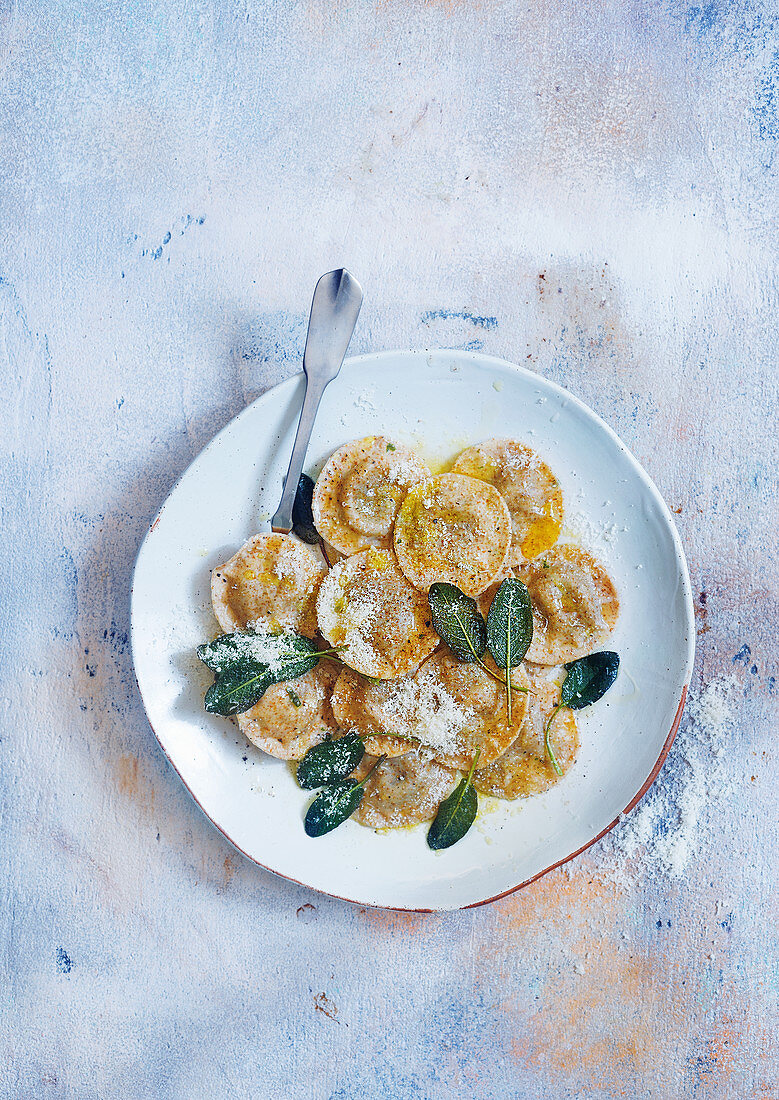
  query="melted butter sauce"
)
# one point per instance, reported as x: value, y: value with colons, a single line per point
x: 418, y: 827
x: 544, y: 532
x: 488, y: 806
x: 439, y: 459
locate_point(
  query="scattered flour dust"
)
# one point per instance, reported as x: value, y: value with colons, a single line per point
x: 664, y: 830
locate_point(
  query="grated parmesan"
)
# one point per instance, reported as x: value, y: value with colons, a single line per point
x: 665, y: 828
x: 262, y: 645
x: 353, y: 624
x: 430, y: 714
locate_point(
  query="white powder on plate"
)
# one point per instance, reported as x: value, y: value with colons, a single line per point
x: 366, y: 400
x: 581, y: 530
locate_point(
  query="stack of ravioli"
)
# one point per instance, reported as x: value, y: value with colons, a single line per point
x: 390, y: 529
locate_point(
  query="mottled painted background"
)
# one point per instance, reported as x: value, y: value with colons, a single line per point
x: 590, y: 189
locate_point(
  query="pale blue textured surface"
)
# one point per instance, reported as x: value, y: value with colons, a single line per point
x: 590, y: 190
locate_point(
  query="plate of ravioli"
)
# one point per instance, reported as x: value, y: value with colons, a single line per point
x: 466, y: 661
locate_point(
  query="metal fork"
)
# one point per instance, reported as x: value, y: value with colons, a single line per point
x: 334, y: 310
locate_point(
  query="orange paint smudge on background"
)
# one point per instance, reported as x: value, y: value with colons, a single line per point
x: 609, y: 1017
x: 614, y: 1017
x: 229, y: 869
x: 741, y: 1035
x: 133, y: 783
x: 127, y: 775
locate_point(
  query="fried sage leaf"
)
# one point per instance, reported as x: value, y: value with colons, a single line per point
x: 246, y: 664
x: 586, y: 681
x: 456, y: 814
x: 302, y: 513
x: 255, y: 647
x: 295, y: 659
x: 226, y: 650
x: 509, y: 629
x: 457, y: 621
x: 589, y: 678
x: 238, y: 689
x: 510, y: 624
x: 335, y: 803
x: 330, y: 761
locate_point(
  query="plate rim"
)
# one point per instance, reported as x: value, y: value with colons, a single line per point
x: 476, y: 359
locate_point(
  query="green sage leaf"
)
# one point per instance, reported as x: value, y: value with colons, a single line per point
x: 247, y: 663
x: 302, y: 512
x: 457, y: 621
x: 237, y: 689
x: 295, y: 661
x: 277, y: 651
x: 335, y: 803
x: 589, y: 678
x: 226, y: 650
x: 548, y: 741
x: 455, y: 815
x: 330, y: 761
x: 510, y: 624
x: 332, y: 806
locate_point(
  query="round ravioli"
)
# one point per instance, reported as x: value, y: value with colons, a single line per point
x: 403, y: 791
x: 462, y: 709
x: 449, y: 707
x: 529, y: 488
x: 272, y: 580
x: 359, y: 492
x: 367, y: 606
x: 524, y: 769
x: 575, y: 605
x: 294, y: 715
x: 359, y: 707
x: 453, y: 528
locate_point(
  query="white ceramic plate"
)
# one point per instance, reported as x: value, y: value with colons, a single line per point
x: 440, y: 402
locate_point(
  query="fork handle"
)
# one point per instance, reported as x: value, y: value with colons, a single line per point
x: 282, y: 520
